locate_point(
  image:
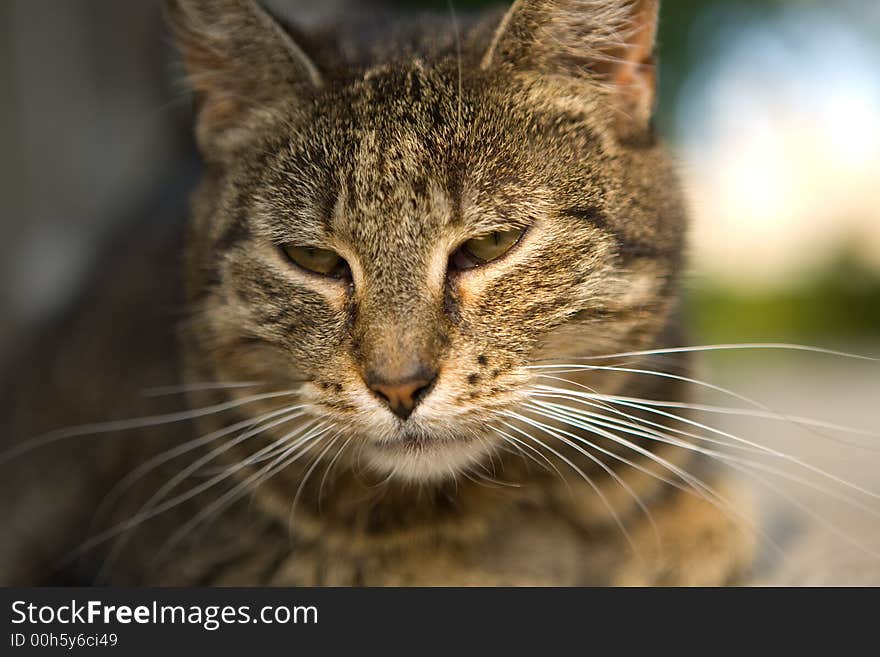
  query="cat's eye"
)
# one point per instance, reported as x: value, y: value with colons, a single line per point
x: 485, y: 249
x: 318, y: 261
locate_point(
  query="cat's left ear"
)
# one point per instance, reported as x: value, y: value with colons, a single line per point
x: 239, y: 62
x: 608, y: 41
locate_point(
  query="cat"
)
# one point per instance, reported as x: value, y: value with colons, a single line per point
x: 421, y: 263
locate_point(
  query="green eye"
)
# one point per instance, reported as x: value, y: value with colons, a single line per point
x: 317, y: 261
x: 492, y: 246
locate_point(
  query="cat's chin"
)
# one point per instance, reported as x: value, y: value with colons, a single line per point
x: 424, y: 461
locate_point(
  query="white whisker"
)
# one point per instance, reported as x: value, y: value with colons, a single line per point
x: 614, y: 515
x: 517, y: 441
x: 134, y: 423
x: 676, y: 377
x: 306, y: 477
x: 697, y: 486
x: 171, y: 454
x: 653, y: 435
x: 201, y: 462
x: 746, y: 467
x: 776, y: 346
x: 553, y: 431
x: 640, y: 422
x: 234, y: 494
x: 746, y: 412
x: 139, y: 518
x: 330, y: 467
x: 738, y: 439
x: 198, y: 387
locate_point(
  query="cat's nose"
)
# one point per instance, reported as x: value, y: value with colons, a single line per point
x: 403, y: 396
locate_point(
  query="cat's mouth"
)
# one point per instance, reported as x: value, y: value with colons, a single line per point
x: 422, y: 456
x: 418, y: 440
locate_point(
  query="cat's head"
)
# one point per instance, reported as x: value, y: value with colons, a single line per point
x: 400, y: 241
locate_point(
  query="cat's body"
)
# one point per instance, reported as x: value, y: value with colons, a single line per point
x: 406, y: 372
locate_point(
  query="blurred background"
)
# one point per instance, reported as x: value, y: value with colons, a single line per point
x: 771, y: 106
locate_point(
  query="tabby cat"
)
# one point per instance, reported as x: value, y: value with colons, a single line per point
x: 417, y: 268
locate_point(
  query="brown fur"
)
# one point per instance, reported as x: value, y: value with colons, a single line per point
x: 393, y: 155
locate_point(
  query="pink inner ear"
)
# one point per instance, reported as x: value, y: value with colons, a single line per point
x: 633, y: 73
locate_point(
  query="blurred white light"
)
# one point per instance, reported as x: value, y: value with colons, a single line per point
x: 782, y: 146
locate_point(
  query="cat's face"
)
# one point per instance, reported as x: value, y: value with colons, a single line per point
x: 400, y: 245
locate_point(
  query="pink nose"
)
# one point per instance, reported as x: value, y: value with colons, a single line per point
x: 402, y: 397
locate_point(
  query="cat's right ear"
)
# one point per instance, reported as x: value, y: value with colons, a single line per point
x: 239, y: 62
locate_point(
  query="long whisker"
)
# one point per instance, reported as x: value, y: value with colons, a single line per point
x: 486, y: 478
x: 546, y: 411
x: 306, y: 477
x: 231, y: 496
x: 169, y: 455
x: 804, y: 508
x: 162, y: 391
x: 305, y: 435
x: 330, y: 467
x: 602, y: 402
x: 640, y: 425
x: 283, y: 453
x: 781, y: 455
x: 614, y: 515
x: 666, y: 438
x: 778, y: 346
x: 518, y: 445
x: 653, y: 435
x: 516, y: 441
x: 676, y: 377
x: 737, y: 464
x: 139, y: 518
x: 648, y: 404
x: 122, y: 539
x: 697, y: 486
x: 641, y: 422
x: 199, y: 463
x: 134, y: 423
x: 745, y: 412
x: 569, y: 368
x: 608, y: 470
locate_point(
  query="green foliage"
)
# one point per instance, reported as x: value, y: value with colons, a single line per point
x: 839, y: 303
